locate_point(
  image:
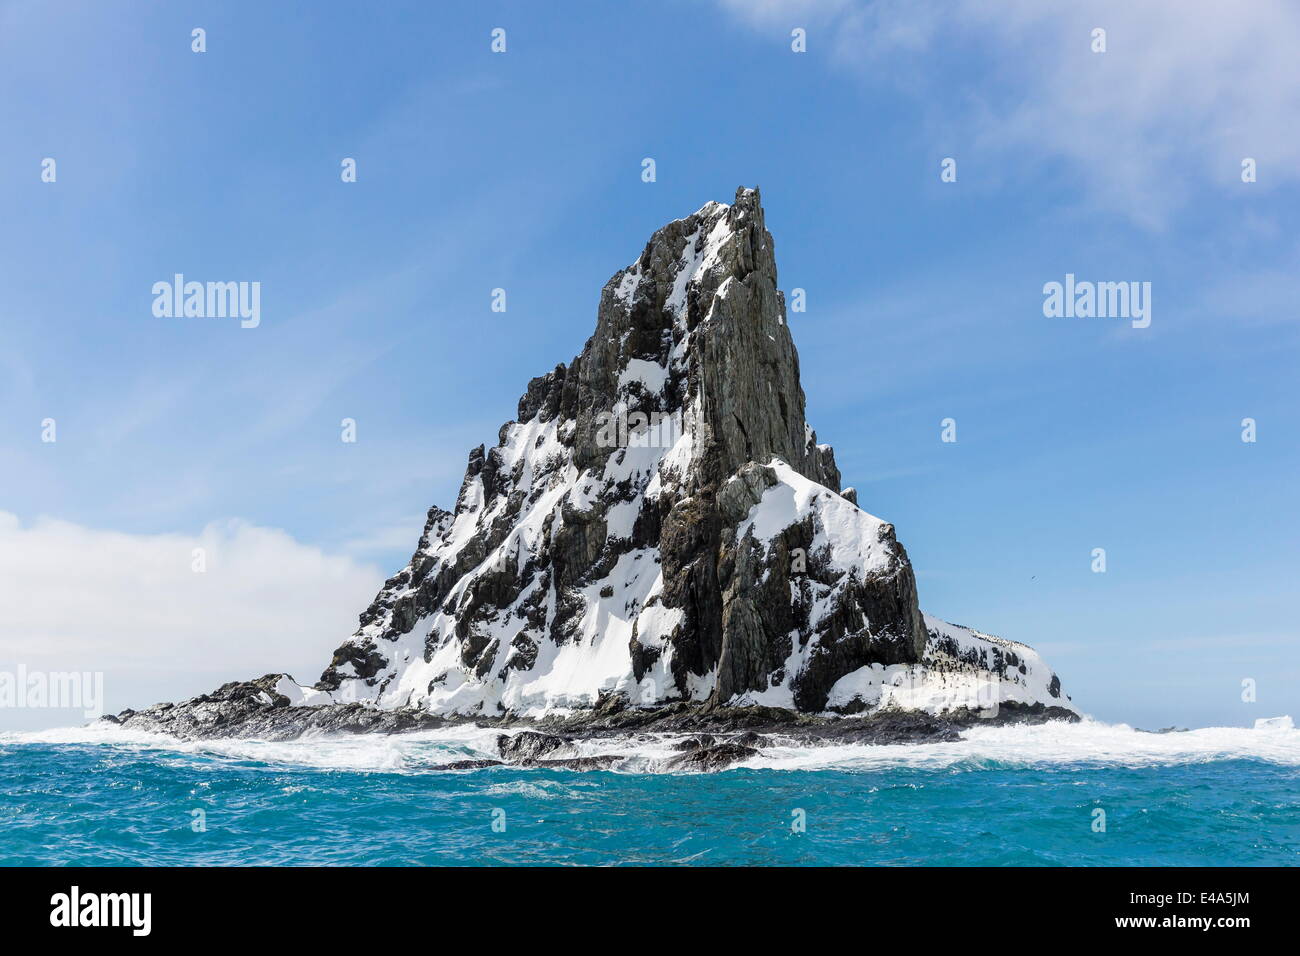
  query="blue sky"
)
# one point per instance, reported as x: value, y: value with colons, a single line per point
x: 522, y: 171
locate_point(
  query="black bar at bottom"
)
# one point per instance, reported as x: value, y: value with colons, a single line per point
x: 333, y: 906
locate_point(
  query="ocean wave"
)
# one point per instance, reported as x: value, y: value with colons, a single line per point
x: 980, y: 749
x: 1053, y: 744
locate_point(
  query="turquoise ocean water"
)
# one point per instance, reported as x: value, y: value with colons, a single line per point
x: 1004, y: 796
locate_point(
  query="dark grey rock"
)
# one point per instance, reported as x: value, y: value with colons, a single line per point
x: 706, y: 759
x: 528, y: 745
x: 601, y: 762
x: 252, y: 709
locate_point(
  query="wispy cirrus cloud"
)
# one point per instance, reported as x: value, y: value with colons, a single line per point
x: 1184, y: 92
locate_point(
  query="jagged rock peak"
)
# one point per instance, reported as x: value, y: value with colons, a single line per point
x: 695, y: 331
x: 660, y: 524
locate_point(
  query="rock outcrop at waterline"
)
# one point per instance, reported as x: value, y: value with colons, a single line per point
x: 658, y: 527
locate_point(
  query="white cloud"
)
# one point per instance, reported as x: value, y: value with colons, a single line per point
x: 80, y: 599
x: 1185, y: 91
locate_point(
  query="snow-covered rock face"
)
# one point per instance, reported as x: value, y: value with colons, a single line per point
x: 661, y: 523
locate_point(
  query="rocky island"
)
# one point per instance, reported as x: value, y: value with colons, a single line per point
x: 657, y: 543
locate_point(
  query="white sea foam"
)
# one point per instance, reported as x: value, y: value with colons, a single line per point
x: 1054, y: 744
